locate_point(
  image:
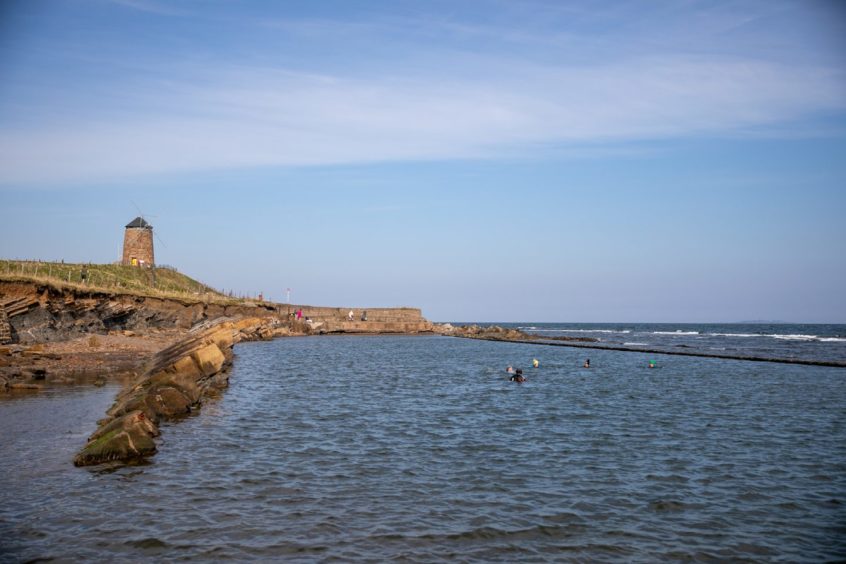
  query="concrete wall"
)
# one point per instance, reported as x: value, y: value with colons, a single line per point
x: 381, y: 314
x: 138, y: 244
x: 373, y: 326
x: 379, y: 320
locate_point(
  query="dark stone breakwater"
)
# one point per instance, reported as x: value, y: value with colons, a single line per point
x: 496, y: 333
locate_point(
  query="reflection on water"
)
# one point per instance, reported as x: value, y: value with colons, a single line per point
x: 419, y: 448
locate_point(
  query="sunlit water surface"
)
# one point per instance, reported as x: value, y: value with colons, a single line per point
x: 420, y: 449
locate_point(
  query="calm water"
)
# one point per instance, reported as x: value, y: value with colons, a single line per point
x: 419, y: 449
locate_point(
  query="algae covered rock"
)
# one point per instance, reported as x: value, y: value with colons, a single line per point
x: 172, y: 385
x: 125, y: 438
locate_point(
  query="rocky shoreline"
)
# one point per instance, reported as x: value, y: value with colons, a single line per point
x: 173, y: 353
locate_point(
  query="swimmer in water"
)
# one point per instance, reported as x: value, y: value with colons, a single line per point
x: 587, y: 363
x: 509, y: 370
x: 535, y: 362
x: 651, y: 364
x: 518, y: 377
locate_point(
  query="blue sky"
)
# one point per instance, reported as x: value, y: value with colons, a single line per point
x: 483, y: 160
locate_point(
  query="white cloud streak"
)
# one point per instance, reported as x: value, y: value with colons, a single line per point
x: 149, y: 6
x: 248, y: 117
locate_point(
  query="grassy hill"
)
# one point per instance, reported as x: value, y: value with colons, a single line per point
x: 159, y: 281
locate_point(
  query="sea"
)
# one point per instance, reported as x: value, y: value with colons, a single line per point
x: 420, y: 449
x: 778, y: 341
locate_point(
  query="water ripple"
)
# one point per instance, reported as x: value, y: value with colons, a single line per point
x: 420, y: 450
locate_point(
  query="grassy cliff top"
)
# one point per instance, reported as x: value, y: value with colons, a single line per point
x: 158, y: 282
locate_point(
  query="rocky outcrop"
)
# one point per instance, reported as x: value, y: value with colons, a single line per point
x: 173, y: 385
x: 5, y: 328
x: 480, y: 332
x: 497, y: 333
x: 123, y: 438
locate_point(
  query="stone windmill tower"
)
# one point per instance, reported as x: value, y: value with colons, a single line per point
x: 138, y: 244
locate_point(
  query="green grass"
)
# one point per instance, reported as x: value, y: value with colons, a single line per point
x: 159, y: 282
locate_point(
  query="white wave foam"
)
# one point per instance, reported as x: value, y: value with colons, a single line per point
x: 636, y: 344
x: 735, y: 335
x: 679, y: 332
x: 795, y: 337
x: 782, y: 337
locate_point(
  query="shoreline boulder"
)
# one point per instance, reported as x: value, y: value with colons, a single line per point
x: 129, y: 437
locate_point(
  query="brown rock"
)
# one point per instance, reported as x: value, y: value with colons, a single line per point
x: 209, y: 359
x: 25, y: 386
x: 126, y: 438
x: 168, y: 401
x: 183, y: 375
x: 35, y: 373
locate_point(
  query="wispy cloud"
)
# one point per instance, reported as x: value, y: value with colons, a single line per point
x: 470, y: 99
x: 150, y: 6
x: 261, y: 117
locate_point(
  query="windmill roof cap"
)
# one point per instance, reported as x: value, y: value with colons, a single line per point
x: 139, y: 222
